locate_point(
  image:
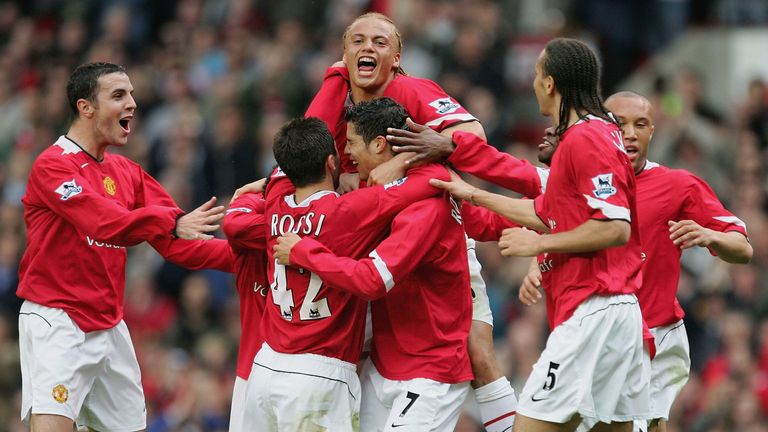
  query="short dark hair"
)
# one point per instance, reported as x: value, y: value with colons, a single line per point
x: 372, y: 118
x: 301, y: 148
x: 576, y: 72
x: 84, y: 80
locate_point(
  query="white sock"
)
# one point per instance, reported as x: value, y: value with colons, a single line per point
x: 498, y: 405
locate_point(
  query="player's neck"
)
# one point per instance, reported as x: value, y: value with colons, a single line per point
x: 82, y: 135
x: 360, y: 94
x: 307, y: 191
x: 573, y: 117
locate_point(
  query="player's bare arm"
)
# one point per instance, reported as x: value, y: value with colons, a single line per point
x: 517, y: 210
x: 282, y: 249
x: 529, y: 290
x: 730, y: 246
x: 473, y: 127
x: 348, y: 182
x: 520, y: 242
x: 253, y: 187
x: 590, y: 236
x: 390, y: 170
x: 196, y: 224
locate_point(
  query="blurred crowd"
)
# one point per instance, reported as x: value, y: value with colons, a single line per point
x: 215, y: 79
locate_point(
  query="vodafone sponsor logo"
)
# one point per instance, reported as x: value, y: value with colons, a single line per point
x: 96, y: 243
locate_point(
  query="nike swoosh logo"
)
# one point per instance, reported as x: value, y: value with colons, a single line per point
x: 536, y: 400
x: 398, y: 425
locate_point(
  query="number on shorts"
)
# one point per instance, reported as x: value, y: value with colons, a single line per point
x: 412, y: 396
x: 551, y: 378
x: 311, y: 308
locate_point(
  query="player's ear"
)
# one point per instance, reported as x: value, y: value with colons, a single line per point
x: 85, y: 106
x: 549, y: 84
x: 396, y: 63
x: 380, y: 144
x: 332, y: 163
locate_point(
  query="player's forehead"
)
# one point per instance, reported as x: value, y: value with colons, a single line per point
x: 352, y: 131
x: 113, y: 82
x: 538, y: 66
x: 630, y: 107
x: 372, y: 27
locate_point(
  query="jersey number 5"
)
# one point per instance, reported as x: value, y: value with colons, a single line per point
x: 311, y: 308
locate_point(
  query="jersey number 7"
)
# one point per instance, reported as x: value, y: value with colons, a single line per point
x: 311, y: 308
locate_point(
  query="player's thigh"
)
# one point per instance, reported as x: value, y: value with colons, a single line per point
x: 423, y: 405
x: 482, y: 355
x: 587, y: 425
x: 50, y: 423
x: 528, y: 424
x: 613, y: 427
x: 59, y: 362
x: 116, y: 401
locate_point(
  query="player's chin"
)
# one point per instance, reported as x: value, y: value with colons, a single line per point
x: 368, y: 82
x: 120, y: 140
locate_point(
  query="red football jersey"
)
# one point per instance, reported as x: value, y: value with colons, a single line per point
x: 244, y: 228
x: 425, y: 101
x: 473, y: 155
x: 591, y: 178
x: 80, y: 215
x: 421, y: 325
x: 303, y: 314
x: 665, y: 194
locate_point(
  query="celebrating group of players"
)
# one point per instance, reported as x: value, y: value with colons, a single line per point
x: 395, y: 251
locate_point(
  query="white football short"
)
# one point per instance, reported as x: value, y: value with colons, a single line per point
x: 594, y: 364
x: 481, y: 307
x: 417, y: 405
x: 237, y: 411
x: 92, y: 378
x: 301, y: 392
x: 670, y: 368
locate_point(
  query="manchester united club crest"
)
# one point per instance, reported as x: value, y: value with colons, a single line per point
x: 109, y: 186
x: 60, y: 393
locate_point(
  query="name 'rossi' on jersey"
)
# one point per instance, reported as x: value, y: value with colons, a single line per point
x: 309, y: 223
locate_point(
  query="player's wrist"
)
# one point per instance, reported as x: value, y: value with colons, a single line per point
x: 472, y: 197
x: 174, y: 233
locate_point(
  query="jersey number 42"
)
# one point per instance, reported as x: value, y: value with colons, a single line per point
x: 282, y: 295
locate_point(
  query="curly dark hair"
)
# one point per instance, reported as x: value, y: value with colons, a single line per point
x: 372, y: 118
x: 576, y: 72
